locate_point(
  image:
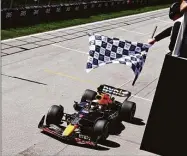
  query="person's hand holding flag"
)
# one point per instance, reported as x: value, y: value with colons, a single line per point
x: 152, y: 40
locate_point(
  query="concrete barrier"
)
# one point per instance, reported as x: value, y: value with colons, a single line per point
x: 18, y: 17
x: 166, y: 130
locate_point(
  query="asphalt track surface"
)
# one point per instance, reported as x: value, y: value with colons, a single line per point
x: 49, y: 68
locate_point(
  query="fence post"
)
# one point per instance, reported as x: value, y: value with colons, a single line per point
x: 25, y: 3
x: 11, y: 4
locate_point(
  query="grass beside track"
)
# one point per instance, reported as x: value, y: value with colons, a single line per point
x: 17, y: 32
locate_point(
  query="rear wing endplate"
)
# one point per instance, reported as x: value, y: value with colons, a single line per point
x: 113, y: 91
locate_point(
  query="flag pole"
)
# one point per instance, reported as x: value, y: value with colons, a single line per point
x: 135, y: 79
x: 154, y: 32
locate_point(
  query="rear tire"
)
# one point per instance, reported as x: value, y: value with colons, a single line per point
x: 88, y: 95
x: 54, y: 115
x: 127, y: 111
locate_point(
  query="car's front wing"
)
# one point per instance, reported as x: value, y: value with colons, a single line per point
x: 53, y: 130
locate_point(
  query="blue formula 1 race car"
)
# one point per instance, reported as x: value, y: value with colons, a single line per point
x: 94, y: 114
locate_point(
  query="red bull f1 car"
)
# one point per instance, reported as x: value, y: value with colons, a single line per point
x: 94, y: 114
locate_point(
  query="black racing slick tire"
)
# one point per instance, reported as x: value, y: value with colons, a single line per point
x: 54, y: 115
x: 127, y: 111
x: 101, y: 130
x: 88, y: 95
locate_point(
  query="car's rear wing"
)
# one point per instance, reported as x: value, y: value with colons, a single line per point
x: 113, y: 91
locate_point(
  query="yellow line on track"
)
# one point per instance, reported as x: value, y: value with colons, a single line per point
x: 86, y: 81
x: 71, y: 77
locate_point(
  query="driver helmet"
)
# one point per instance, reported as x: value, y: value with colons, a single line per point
x: 94, y: 103
x: 174, y: 10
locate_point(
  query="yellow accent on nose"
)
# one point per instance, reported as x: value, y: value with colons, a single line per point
x: 69, y: 129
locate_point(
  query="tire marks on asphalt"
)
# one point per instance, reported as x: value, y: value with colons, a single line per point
x: 15, y: 77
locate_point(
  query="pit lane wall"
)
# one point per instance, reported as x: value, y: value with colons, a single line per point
x: 18, y: 17
x: 166, y: 131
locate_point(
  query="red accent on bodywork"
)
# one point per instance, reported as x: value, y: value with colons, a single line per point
x: 105, y: 99
x: 76, y: 126
x: 78, y: 140
x: 51, y: 131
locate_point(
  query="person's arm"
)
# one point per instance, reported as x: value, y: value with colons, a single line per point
x: 160, y: 36
x: 163, y: 34
x: 174, y: 35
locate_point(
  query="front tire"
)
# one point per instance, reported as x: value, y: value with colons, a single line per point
x: 54, y: 115
x: 101, y: 130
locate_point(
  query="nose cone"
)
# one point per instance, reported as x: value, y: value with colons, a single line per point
x: 69, y: 129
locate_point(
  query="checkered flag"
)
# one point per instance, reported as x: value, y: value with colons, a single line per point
x: 105, y: 50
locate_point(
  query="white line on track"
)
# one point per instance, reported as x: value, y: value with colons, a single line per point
x: 82, y: 52
x: 134, y: 95
x: 131, y: 31
x: 124, y: 84
x: 163, y: 21
x: 138, y: 97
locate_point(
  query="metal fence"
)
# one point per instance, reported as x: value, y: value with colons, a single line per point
x: 30, y: 15
x: 24, y: 3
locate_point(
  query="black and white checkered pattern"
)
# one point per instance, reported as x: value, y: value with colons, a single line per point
x: 105, y: 50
